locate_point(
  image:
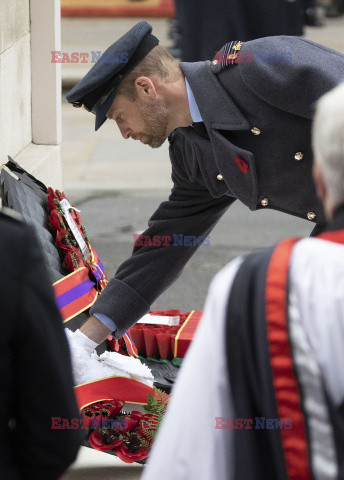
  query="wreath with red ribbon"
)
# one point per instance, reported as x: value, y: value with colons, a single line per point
x: 72, y: 256
x: 129, y: 436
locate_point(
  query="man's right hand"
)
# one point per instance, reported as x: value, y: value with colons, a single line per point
x: 95, y: 330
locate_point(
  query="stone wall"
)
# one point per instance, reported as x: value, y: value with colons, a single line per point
x: 30, y: 95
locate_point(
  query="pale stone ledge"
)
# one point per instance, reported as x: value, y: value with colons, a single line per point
x: 42, y: 161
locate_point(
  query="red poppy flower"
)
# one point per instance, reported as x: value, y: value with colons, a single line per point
x: 62, y: 240
x: 135, y: 415
x: 50, y: 199
x: 56, y: 219
x: 123, y: 452
x: 114, y: 407
x: 68, y: 262
x: 102, y: 442
x: 102, y: 411
x: 126, y: 424
x: 76, y: 217
x: 73, y: 260
x: 60, y: 195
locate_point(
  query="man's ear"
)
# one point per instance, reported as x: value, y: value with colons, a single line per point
x: 319, y: 181
x: 145, y: 88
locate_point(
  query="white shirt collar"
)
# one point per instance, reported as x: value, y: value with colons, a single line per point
x: 194, y: 110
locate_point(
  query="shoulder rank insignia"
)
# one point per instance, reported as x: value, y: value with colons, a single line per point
x: 228, y: 53
x: 237, y: 46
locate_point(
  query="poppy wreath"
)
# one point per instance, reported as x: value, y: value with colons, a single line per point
x: 127, y: 435
x: 163, y: 343
x: 71, y: 253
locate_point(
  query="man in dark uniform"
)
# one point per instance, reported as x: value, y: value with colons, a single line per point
x: 35, y: 368
x: 239, y: 127
x: 270, y: 398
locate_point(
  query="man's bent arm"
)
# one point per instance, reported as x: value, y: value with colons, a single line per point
x: 191, y: 212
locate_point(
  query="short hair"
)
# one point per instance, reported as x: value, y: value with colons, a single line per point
x: 328, y: 142
x: 157, y: 62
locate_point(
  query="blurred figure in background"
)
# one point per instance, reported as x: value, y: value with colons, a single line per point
x: 333, y: 8
x: 206, y: 26
x: 260, y: 395
x: 313, y: 13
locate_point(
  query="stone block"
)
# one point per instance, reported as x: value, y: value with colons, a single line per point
x: 15, y: 99
x: 14, y: 22
x: 44, y: 162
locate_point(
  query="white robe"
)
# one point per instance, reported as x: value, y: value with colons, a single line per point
x: 188, y: 446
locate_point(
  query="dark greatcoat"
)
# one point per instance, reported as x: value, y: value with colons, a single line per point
x: 209, y: 174
x: 35, y: 368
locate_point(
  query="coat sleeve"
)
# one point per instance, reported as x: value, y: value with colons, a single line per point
x: 290, y: 73
x: 43, y: 376
x: 189, y: 212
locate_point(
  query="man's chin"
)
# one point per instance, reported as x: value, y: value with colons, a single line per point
x: 155, y: 143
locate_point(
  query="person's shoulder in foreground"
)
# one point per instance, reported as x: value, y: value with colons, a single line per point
x: 35, y: 370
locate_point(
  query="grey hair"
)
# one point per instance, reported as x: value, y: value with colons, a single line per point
x: 328, y: 143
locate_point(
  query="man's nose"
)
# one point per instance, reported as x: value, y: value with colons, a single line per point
x: 125, y: 131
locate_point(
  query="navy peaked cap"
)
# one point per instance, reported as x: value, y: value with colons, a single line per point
x: 97, y: 90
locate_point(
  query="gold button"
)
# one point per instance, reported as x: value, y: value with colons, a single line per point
x: 214, y: 62
x: 265, y: 202
x: 311, y: 215
x: 219, y: 177
x: 298, y: 156
x: 255, y: 131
